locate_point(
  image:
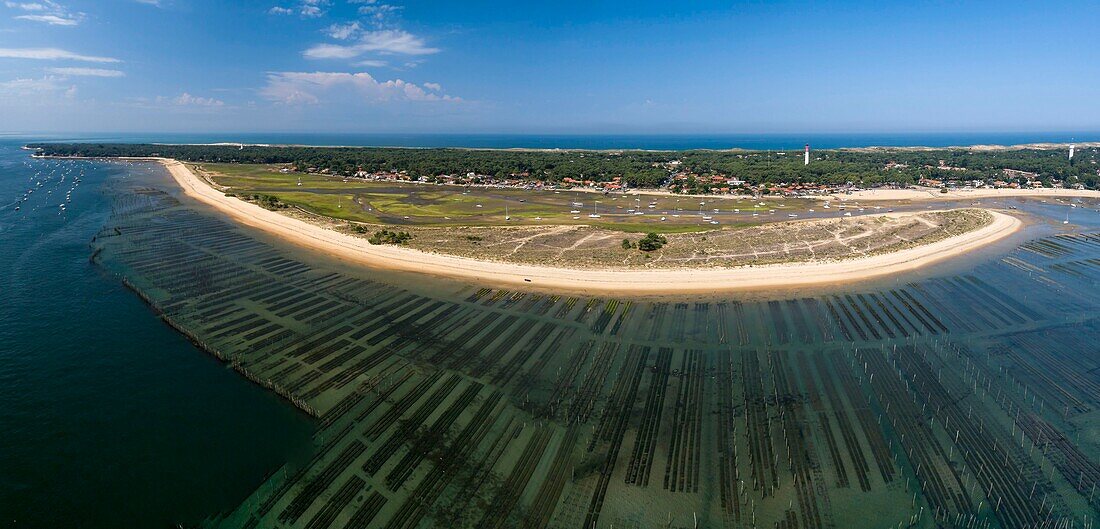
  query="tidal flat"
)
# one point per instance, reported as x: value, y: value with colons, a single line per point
x: 964, y: 395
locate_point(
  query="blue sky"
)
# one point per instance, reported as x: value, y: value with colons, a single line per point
x: 553, y: 67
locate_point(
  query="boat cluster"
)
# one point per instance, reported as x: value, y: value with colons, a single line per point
x: 61, y: 176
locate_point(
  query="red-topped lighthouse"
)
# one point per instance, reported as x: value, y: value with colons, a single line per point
x: 806, y: 160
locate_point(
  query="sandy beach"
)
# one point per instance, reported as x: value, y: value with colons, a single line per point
x: 918, y: 194
x: 625, y: 281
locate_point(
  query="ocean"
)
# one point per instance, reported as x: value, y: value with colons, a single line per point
x: 108, y: 417
x: 596, y: 141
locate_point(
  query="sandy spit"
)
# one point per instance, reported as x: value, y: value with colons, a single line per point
x: 625, y: 281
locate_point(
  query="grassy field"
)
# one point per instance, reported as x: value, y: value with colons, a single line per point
x: 588, y: 247
x: 408, y: 204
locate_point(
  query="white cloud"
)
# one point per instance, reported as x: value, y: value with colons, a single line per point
x: 53, y: 20
x: 28, y: 6
x: 46, y: 11
x: 49, y: 82
x: 385, y: 42
x: 308, y: 87
x: 305, y: 8
x: 433, y: 87
x: 343, y: 31
x: 395, y: 41
x: 331, y: 51
x: 186, y: 99
x: 372, y: 63
x: 378, y: 14
x: 34, y: 88
x: 154, y: 3
x: 51, y: 54
x: 86, y: 72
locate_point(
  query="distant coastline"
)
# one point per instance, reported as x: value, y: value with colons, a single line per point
x: 983, y: 147
x: 599, y: 142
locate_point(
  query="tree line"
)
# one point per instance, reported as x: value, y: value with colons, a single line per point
x: 636, y: 168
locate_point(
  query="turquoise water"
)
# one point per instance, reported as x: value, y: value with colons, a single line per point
x: 108, y: 417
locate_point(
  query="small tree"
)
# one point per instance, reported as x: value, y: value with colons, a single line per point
x: 652, y: 242
x: 389, y: 237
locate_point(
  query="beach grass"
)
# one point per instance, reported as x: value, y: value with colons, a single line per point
x: 430, y: 205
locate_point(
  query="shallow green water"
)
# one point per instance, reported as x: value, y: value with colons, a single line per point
x: 964, y: 395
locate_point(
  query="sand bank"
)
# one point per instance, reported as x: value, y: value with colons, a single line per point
x: 624, y: 281
x: 962, y: 194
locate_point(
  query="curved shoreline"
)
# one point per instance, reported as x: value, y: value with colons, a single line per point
x: 624, y: 281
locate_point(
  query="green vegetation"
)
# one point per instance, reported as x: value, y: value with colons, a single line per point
x: 627, y: 244
x: 266, y: 201
x: 652, y: 242
x: 417, y: 204
x: 389, y: 237
x: 636, y: 168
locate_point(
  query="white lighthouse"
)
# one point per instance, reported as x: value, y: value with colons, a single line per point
x: 1071, y: 151
x: 806, y: 158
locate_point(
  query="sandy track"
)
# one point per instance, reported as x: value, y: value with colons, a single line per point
x: 623, y: 281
